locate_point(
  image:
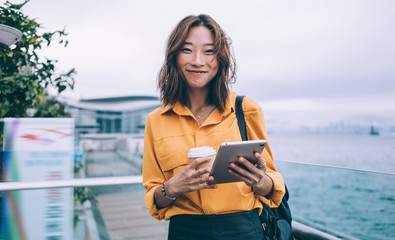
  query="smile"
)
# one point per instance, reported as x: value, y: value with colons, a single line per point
x: 196, y: 71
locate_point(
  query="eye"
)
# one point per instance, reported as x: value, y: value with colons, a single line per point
x: 210, y: 51
x: 186, y: 50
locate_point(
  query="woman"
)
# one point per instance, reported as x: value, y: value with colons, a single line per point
x: 198, y: 110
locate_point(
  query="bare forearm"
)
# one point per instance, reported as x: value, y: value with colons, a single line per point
x: 160, y: 200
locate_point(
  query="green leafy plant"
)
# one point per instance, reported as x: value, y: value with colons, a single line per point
x: 83, y: 194
x: 25, y: 75
x: 50, y: 107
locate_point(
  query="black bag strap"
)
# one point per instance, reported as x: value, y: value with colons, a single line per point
x: 240, y: 117
x: 283, y: 211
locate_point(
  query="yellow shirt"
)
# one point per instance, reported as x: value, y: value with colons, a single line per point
x: 169, y: 134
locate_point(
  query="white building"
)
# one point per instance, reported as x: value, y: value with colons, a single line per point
x: 111, y: 115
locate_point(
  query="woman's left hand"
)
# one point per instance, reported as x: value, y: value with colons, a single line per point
x: 254, y: 175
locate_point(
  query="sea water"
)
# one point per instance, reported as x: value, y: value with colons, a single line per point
x: 340, y: 197
x: 363, y: 152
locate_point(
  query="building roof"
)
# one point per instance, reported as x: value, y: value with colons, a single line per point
x: 120, y: 99
x: 115, y: 104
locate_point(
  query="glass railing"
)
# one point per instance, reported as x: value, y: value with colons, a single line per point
x: 113, y: 212
x: 97, y: 201
x: 339, y: 201
x: 106, y: 200
x: 357, y: 203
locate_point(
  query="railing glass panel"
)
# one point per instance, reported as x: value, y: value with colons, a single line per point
x: 357, y: 203
x: 106, y: 163
x: 114, y: 212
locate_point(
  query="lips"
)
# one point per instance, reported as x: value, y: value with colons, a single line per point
x: 196, y: 71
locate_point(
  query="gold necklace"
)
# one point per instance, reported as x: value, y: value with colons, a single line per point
x: 201, y: 119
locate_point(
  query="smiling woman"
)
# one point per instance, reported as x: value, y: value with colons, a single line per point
x: 204, y: 48
x: 198, y: 110
x: 196, y: 60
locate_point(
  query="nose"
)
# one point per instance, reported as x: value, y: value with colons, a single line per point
x: 197, y: 59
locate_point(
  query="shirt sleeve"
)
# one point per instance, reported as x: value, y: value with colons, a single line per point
x: 256, y: 129
x: 152, y: 174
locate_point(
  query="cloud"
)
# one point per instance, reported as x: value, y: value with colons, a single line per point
x: 290, y: 54
x: 324, y: 110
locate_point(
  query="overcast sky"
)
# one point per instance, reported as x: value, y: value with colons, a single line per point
x: 306, y: 61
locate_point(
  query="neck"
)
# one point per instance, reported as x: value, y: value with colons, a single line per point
x: 197, y: 99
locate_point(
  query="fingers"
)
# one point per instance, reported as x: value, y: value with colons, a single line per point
x: 247, y: 176
x: 202, y: 183
x: 198, y: 161
x: 250, y: 173
x: 253, y: 168
x: 208, y: 179
x: 192, y: 179
x: 252, y: 181
x: 261, y: 163
x: 208, y: 186
x: 201, y: 176
x: 196, y: 164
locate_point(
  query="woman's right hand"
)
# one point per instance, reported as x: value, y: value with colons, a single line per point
x: 190, y: 179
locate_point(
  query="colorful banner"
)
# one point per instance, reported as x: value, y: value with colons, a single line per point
x: 38, y: 149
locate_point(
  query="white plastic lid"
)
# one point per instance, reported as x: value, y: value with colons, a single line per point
x: 201, y: 152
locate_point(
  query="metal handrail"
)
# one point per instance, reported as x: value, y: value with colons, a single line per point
x: 102, y: 181
x: 337, y: 166
x: 299, y: 229
x: 79, y: 182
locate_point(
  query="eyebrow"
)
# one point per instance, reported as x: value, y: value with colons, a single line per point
x: 206, y: 44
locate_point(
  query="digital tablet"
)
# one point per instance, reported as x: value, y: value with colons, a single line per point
x: 229, y: 152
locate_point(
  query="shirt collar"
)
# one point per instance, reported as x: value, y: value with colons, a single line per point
x: 230, y: 103
x: 177, y: 108
x: 182, y: 110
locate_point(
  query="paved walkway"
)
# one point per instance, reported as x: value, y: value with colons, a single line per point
x: 126, y: 217
x: 122, y: 207
x: 108, y: 163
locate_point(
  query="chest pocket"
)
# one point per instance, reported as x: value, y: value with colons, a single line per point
x: 173, y: 163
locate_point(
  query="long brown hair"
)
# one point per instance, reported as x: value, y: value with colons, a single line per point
x: 170, y: 80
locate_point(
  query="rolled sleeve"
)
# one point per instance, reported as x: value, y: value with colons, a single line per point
x: 149, y: 200
x: 152, y: 175
x: 278, y: 191
x: 256, y: 129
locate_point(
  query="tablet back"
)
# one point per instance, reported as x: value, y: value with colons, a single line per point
x: 229, y: 152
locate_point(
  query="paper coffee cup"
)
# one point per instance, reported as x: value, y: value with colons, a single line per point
x: 195, y: 153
